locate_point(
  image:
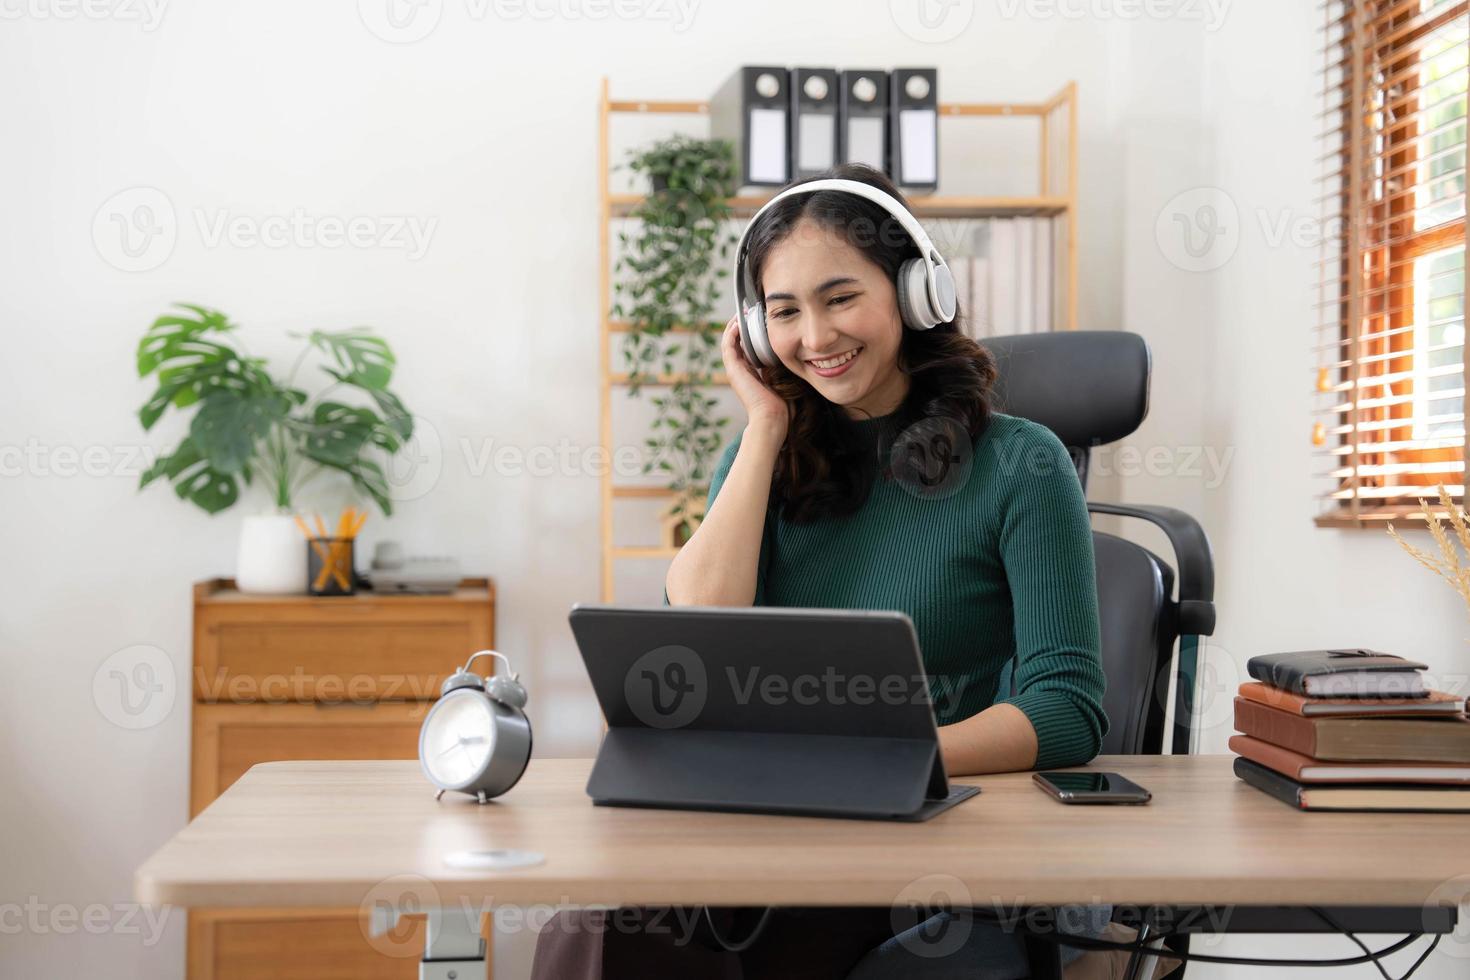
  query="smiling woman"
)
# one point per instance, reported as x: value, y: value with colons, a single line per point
x: 829, y: 266
x: 873, y: 474
x: 821, y: 333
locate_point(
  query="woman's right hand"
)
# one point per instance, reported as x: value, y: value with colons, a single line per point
x: 762, y: 405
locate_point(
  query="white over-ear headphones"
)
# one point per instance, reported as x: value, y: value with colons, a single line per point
x: 925, y: 286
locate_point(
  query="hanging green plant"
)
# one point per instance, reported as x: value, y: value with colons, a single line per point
x: 670, y: 276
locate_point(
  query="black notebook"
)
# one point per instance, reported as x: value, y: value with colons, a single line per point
x: 1346, y: 673
x: 1381, y: 797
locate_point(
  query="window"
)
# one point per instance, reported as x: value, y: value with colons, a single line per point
x: 1389, y: 418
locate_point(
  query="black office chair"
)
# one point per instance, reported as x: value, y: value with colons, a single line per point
x: 1091, y: 388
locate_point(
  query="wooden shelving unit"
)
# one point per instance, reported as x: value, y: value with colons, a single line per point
x: 1056, y: 197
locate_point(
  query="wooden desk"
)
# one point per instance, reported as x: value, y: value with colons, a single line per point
x: 330, y: 833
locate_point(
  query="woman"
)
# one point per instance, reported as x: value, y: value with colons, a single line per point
x: 872, y: 473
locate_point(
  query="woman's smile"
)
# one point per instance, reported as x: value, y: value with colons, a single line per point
x: 836, y: 365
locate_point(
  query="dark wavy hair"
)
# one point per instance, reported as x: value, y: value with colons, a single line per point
x: 825, y: 468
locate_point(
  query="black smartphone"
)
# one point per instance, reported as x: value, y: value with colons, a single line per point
x: 1091, y: 787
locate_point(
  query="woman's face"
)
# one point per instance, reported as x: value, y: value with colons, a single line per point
x: 832, y: 318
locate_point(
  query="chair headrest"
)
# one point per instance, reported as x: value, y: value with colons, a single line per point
x: 1090, y: 387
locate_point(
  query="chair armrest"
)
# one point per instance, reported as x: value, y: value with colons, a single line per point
x: 1191, y: 551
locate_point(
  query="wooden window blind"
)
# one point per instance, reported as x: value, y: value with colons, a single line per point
x: 1389, y: 338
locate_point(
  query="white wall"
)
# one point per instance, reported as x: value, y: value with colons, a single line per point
x: 486, y: 129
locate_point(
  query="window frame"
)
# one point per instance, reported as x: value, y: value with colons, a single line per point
x: 1377, y: 257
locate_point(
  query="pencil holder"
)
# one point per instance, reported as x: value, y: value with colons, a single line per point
x: 329, y: 566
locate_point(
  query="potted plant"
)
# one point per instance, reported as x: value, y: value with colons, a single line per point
x: 671, y: 271
x: 247, y: 426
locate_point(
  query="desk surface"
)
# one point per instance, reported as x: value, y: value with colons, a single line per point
x: 344, y: 833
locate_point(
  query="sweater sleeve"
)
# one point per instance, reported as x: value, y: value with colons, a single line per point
x: 717, y: 480
x: 1046, y: 549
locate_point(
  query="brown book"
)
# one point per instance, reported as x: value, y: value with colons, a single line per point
x: 1305, y: 769
x: 1435, y: 703
x: 1357, y: 739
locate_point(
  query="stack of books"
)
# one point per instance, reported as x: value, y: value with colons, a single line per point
x: 1351, y: 730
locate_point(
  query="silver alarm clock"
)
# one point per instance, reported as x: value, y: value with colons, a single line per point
x: 476, y: 739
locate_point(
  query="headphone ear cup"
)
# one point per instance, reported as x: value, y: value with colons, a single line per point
x: 913, y: 296
x: 753, y: 337
x: 944, y: 289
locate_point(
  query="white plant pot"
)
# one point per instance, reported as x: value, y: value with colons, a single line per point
x: 272, y: 555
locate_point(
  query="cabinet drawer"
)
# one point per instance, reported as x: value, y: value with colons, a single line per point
x: 304, y: 944
x: 309, y: 944
x: 368, y: 652
x: 230, y: 738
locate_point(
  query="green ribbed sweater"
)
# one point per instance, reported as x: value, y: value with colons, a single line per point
x: 1000, y: 570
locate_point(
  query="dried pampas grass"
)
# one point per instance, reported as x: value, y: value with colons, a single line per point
x: 1449, y: 566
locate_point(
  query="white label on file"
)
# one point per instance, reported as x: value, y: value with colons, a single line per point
x: 916, y: 146
x: 865, y: 141
x: 814, y: 148
x: 768, y: 146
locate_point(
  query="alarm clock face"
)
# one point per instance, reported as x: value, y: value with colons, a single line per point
x: 458, y: 738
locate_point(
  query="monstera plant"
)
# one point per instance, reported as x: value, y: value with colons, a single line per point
x: 248, y: 426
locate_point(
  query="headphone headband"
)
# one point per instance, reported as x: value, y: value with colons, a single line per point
x: 745, y: 280
x: 875, y: 194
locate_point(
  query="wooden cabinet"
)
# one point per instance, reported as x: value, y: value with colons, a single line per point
x: 281, y: 678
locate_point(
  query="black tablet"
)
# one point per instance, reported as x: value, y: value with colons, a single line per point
x: 824, y: 712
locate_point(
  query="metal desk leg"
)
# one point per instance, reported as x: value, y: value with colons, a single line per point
x: 453, y: 947
x: 1141, y: 966
x: 1043, y: 959
x: 1135, y: 959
